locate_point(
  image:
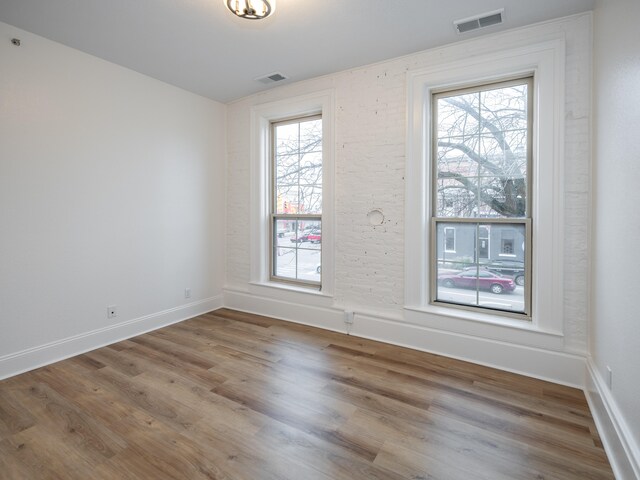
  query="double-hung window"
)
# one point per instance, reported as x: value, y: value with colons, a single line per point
x: 481, y: 196
x: 296, y: 200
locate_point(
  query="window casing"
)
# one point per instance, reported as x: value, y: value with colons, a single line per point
x: 481, y: 189
x: 543, y: 58
x: 263, y: 115
x: 296, y: 169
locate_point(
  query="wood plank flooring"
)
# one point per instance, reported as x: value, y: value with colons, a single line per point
x: 229, y: 395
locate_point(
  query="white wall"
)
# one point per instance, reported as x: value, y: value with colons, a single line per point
x: 615, y: 327
x: 111, y: 192
x: 371, y: 135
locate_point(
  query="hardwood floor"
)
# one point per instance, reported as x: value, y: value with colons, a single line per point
x: 229, y: 395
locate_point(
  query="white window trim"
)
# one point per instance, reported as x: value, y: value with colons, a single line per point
x: 261, y: 117
x: 546, y: 60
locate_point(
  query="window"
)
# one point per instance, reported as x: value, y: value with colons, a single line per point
x: 292, y: 185
x: 483, y: 244
x: 450, y: 239
x: 538, y: 234
x: 481, y: 191
x: 507, y: 243
x: 296, y: 200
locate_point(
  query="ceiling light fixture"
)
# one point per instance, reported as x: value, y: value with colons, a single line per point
x: 251, y: 9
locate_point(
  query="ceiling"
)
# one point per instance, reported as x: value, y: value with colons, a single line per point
x: 200, y: 46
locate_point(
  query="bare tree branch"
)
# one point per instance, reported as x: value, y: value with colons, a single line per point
x: 469, y: 152
x: 485, y: 135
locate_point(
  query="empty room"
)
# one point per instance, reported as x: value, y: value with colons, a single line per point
x: 298, y: 239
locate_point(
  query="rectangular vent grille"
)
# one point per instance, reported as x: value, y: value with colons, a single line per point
x: 479, y: 21
x: 271, y: 78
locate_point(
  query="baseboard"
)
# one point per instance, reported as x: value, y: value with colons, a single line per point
x: 557, y: 367
x: 315, y: 316
x: 553, y: 366
x: 623, y: 452
x: 35, y: 357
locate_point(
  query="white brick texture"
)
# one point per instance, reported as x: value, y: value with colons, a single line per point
x: 370, y: 136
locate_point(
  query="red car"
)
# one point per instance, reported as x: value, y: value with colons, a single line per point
x: 482, y: 279
x: 315, y: 237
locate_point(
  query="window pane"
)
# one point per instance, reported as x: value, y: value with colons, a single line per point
x: 309, y: 265
x: 311, y: 168
x: 310, y: 199
x: 449, y: 239
x: 298, y: 167
x: 284, y: 262
x: 482, y: 153
x: 287, y: 199
x: 456, y: 199
x: 311, y: 136
x: 478, y: 273
x: 284, y: 252
x: 308, y: 241
x: 506, y: 105
x: 297, y: 249
x: 309, y: 231
x: 286, y: 169
x: 287, y: 139
x: 460, y: 236
x: 454, y: 162
x: 284, y: 230
x: 503, y: 197
x: 457, y: 117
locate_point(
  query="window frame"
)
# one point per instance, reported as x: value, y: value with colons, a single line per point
x: 526, y: 315
x: 260, y: 282
x: 280, y: 216
x: 479, y: 87
x: 444, y: 247
x: 545, y: 59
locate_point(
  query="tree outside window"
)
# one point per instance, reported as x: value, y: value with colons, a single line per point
x: 481, y: 163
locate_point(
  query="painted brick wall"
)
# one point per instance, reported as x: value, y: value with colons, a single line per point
x: 371, y: 112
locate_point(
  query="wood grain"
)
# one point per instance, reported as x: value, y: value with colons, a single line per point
x: 236, y: 396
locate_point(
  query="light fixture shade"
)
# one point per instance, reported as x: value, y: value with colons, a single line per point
x: 251, y: 9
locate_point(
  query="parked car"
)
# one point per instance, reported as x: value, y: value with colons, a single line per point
x: 302, y: 237
x: 482, y: 279
x: 315, y: 236
x: 511, y: 268
x: 307, y: 236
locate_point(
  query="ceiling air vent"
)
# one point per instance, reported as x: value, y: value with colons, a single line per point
x: 271, y: 78
x: 479, y: 21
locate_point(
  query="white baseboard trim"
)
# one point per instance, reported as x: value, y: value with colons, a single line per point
x: 622, y: 450
x: 558, y: 367
x: 312, y: 315
x: 35, y: 357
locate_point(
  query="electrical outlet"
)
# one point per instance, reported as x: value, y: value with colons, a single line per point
x: 112, y: 311
x: 187, y: 293
x: 348, y: 317
x: 609, y: 377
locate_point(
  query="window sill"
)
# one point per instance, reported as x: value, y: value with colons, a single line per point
x: 310, y: 290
